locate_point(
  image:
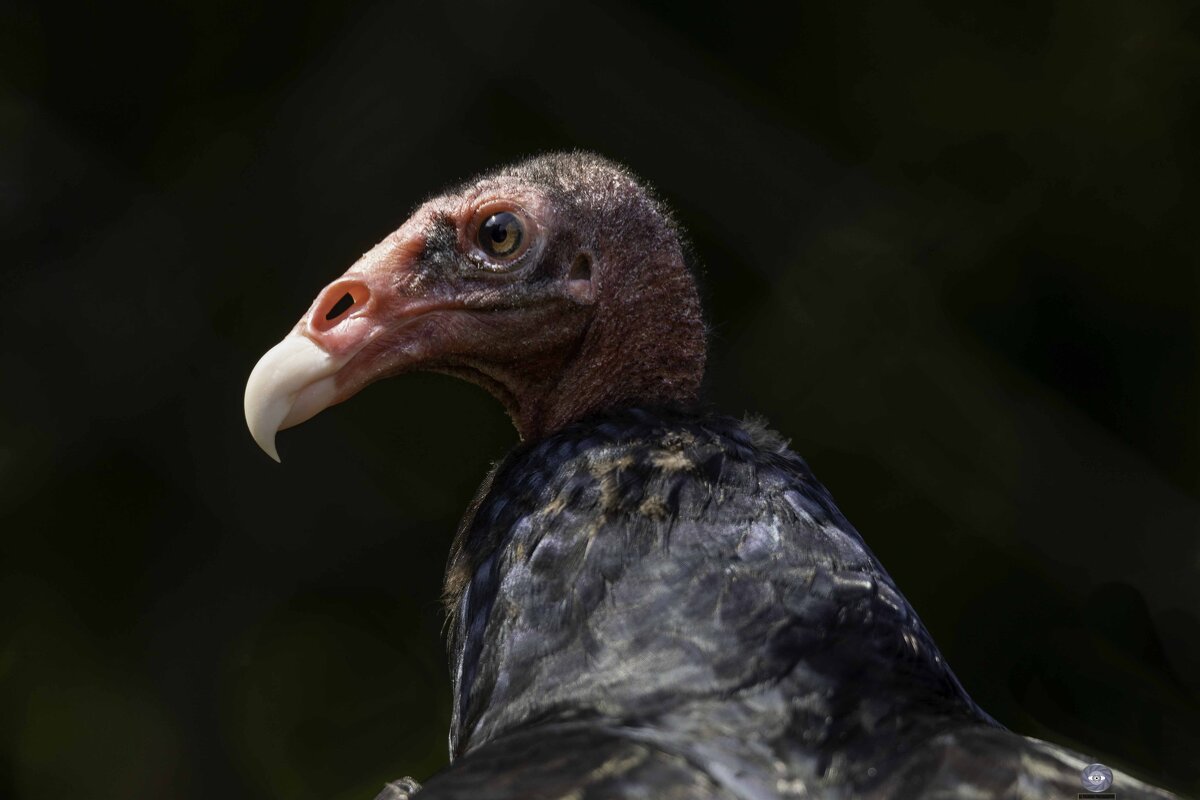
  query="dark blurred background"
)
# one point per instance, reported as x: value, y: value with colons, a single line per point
x: 951, y: 251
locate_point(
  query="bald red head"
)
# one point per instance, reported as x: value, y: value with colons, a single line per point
x: 558, y: 284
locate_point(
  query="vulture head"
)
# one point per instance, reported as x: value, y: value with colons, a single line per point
x: 558, y: 284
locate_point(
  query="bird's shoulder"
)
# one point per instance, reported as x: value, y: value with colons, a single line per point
x: 598, y: 760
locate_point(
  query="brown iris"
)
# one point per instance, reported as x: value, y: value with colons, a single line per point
x: 500, y: 234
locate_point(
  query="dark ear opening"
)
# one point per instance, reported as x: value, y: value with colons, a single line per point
x: 579, y: 280
x: 581, y: 269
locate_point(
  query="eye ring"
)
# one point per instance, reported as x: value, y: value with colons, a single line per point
x: 500, y: 234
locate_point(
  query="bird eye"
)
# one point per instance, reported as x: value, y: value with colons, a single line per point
x: 501, y: 234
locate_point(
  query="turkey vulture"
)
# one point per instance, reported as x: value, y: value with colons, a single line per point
x: 647, y: 599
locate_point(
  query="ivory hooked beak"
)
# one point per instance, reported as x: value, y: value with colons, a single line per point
x: 294, y: 381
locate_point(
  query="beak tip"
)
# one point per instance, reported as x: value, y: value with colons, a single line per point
x: 263, y: 435
x: 268, y: 446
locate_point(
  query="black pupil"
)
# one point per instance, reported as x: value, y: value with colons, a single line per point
x: 500, y: 234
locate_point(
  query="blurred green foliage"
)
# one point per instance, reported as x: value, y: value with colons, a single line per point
x: 950, y: 251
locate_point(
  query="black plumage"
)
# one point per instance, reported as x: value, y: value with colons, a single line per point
x: 664, y: 604
x: 645, y: 599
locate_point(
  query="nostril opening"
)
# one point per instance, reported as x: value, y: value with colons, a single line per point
x: 340, y: 307
x: 353, y: 299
